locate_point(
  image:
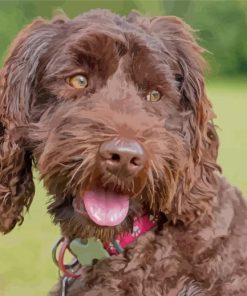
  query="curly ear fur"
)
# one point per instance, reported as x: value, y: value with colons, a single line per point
x: 196, y: 190
x: 17, y: 94
x: 16, y: 183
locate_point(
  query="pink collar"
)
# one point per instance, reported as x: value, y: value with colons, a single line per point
x: 141, y: 226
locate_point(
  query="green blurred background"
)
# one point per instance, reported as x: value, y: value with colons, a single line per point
x: 26, y: 267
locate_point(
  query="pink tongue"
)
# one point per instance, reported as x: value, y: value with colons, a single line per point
x: 106, y: 208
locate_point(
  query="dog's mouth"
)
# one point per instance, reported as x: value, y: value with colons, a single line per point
x: 103, y: 207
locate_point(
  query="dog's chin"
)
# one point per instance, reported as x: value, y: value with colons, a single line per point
x: 99, y: 213
x: 82, y: 226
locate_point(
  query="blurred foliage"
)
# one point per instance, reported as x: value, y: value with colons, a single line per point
x: 221, y: 25
x: 222, y: 29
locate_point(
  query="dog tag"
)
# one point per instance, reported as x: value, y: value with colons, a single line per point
x: 88, y: 250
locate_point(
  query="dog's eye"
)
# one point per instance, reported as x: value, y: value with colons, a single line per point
x: 153, y: 96
x: 78, y: 81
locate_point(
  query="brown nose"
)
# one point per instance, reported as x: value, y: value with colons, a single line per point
x: 122, y: 157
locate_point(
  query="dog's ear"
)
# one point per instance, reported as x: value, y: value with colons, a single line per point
x: 19, y: 72
x: 17, y: 92
x: 16, y: 182
x: 184, y: 56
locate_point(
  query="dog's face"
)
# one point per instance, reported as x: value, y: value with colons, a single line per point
x: 116, y: 119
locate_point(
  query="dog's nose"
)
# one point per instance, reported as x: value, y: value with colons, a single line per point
x: 122, y: 157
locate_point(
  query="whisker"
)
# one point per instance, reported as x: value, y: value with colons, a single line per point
x: 75, y: 172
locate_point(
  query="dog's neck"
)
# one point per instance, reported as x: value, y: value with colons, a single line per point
x: 140, y: 226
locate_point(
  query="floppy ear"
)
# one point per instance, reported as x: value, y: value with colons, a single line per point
x: 17, y: 93
x: 196, y: 191
x: 16, y: 183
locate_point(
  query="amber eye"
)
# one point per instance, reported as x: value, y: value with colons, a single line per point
x: 153, y: 96
x: 78, y: 81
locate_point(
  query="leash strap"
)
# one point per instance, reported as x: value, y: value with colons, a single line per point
x: 69, y: 270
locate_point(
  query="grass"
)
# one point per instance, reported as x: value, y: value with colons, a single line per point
x: 229, y: 98
x: 26, y: 265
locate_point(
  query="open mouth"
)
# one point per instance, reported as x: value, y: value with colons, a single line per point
x: 104, y: 207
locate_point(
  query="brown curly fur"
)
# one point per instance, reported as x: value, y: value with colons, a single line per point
x: 200, y: 250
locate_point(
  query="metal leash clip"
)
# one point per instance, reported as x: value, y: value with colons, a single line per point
x: 64, y: 285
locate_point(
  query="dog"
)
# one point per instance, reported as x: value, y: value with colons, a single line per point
x: 113, y: 113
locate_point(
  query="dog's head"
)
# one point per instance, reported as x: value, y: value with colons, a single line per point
x: 115, y: 116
